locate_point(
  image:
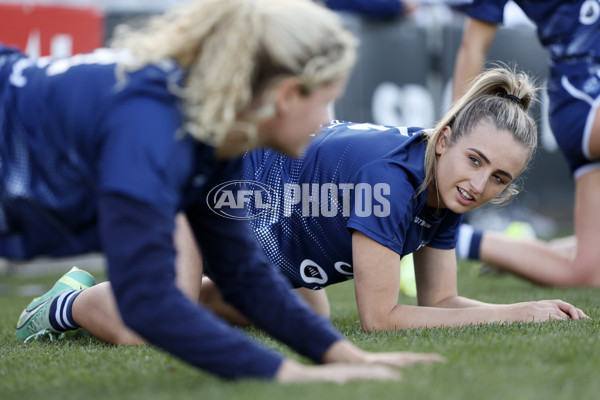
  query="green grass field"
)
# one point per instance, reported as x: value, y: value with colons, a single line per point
x: 552, y: 360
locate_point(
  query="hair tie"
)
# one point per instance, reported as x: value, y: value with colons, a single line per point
x: 513, y: 98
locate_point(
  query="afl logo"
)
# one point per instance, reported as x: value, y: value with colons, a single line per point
x: 241, y: 199
x: 589, y: 12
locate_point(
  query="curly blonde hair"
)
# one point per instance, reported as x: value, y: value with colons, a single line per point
x: 232, y: 51
x: 501, y: 96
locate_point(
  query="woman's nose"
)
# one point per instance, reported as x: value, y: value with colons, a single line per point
x: 478, y: 182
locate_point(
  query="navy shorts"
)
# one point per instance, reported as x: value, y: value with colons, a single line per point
x: 574, y: 92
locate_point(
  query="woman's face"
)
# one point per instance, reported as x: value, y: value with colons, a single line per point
x: 298, y: 115
x: 477, y: 168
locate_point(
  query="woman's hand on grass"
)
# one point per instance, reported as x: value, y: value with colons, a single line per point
x: 345, y: 362
x: 402, y: 358
x: 544, y: 310
x: 374, y: 366
x: 343, y: 351
x: 291, y: 371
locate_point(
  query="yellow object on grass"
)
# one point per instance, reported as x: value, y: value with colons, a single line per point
x: 408, y: 285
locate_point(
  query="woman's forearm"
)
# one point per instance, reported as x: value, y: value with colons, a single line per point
x: 461, y: 302
x: 406, y: 317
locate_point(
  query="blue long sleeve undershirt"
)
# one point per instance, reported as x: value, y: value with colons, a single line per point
x: 140, y: 252
x: 248, y: 281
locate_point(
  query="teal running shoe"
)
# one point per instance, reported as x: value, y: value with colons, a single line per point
x: 34, y: 321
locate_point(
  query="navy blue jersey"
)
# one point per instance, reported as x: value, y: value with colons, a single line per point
x: 568, y: 29
x: 352, y: 177
x: 90, y: 162
x: 68, y: 137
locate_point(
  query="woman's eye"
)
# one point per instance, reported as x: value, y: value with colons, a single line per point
x: 474, y: 160
x: 499, y: 179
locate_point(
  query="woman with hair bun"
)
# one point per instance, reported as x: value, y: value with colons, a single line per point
x: 387, y: 192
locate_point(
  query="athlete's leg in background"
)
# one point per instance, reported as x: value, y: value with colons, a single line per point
x: 586, y: 264
x: 188, y: 264
x: 211, y: 298
x: 532, y: 259
x: 317, y: 300
x: 585, y: 270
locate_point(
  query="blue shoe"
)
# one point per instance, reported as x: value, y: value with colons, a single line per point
x: 34, y: 321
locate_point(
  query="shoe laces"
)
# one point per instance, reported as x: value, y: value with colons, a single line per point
x: 45, y: 333
x: 39, y: 324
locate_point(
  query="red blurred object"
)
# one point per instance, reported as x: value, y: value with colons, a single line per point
x: 51, y: 30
